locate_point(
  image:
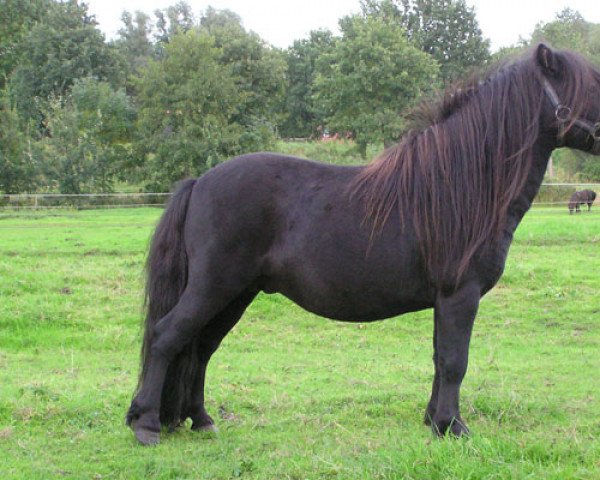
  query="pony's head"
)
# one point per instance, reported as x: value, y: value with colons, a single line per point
x: 572, y: 107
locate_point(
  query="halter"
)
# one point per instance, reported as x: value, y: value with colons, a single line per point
x: 564, y: 115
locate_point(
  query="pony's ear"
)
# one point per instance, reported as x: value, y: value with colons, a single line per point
x: 548, y: 60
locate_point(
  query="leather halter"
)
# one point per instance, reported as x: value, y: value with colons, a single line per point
x: 564, y: 115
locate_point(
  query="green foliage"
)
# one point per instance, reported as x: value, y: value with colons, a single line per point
x: 186, y: 101
x: 18, y: 159
x: 64, y: 46
x: 247, y: 92
x: 303, y: 115
x: 446, y: 29
x: 258, y: 71
x: 339, y: 152
x: 175, y: 19
x: 88, y: 136
x: 214, y: 92
x: 568, y: 30
x: 370, y: 79
x: 134, y: 41
x: 141, y: 39
x: 576, y: 166
x: 17, y: 18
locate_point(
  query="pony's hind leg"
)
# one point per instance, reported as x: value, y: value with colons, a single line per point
x: 172, y: 333
x: 207, y: 343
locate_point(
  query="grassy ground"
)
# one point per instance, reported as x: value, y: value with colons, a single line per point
x: 295, y: 396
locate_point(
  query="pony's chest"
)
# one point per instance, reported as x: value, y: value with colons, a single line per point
x: 489, y: 264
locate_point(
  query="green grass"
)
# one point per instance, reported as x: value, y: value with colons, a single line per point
x: 304, y: 397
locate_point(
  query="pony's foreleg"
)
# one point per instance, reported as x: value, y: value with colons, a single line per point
x: 208, y: 341
x: 432, y: 405
x: 455, y: 316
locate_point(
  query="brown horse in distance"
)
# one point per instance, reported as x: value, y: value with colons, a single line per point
x: 581, y: 198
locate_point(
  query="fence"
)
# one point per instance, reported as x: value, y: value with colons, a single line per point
x: 550, y: 195
x: 40, y: 201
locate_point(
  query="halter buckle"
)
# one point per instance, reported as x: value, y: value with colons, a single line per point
x: 563, y: 113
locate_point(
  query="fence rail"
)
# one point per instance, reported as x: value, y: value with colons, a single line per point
x: 44, y: 201
x: 551, y: 194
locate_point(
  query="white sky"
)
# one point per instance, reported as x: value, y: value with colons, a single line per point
x: 280, y: 22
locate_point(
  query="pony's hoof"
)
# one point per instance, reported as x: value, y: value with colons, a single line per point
x: 147, y: 437
x: 144, y: 435
x: 209, y: 430
x: 454, y: 428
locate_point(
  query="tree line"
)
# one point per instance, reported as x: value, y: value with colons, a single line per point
x: 176, y: 93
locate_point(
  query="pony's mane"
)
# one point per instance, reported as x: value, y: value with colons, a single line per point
x: 442, y: 104
x: 466, y: 159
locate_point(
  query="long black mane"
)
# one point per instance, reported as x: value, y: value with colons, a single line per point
x: 456, y: 174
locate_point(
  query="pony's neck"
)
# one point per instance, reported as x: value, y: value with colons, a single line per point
x: 522, y: 203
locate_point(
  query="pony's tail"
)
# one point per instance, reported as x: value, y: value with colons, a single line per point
x: 166, y: 279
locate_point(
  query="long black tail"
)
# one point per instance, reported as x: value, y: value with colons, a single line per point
x: 167, y: 271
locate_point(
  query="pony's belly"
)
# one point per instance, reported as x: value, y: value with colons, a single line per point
x: 339, y: 281
x: 367, y: 303
x: 359, y: 311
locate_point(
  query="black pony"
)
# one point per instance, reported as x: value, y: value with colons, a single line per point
x: 427, y: 224
x: 581, y: 198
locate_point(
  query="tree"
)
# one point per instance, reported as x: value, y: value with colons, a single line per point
x: 172, y: 20
x: 371, y: 77
x: 134, y: 41
x: 258, y: 71
x: 19, y: 168
x: 89, y: 136
x: 17, y: 19
x: 446, y: 29
x: 303, y: 116
x: 64, y: 46
x: 186, y: 102
x: 570, y: 30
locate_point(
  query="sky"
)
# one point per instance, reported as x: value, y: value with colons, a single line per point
x: 280, y: 22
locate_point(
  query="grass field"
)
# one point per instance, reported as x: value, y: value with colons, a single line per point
x: 294, y: 395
